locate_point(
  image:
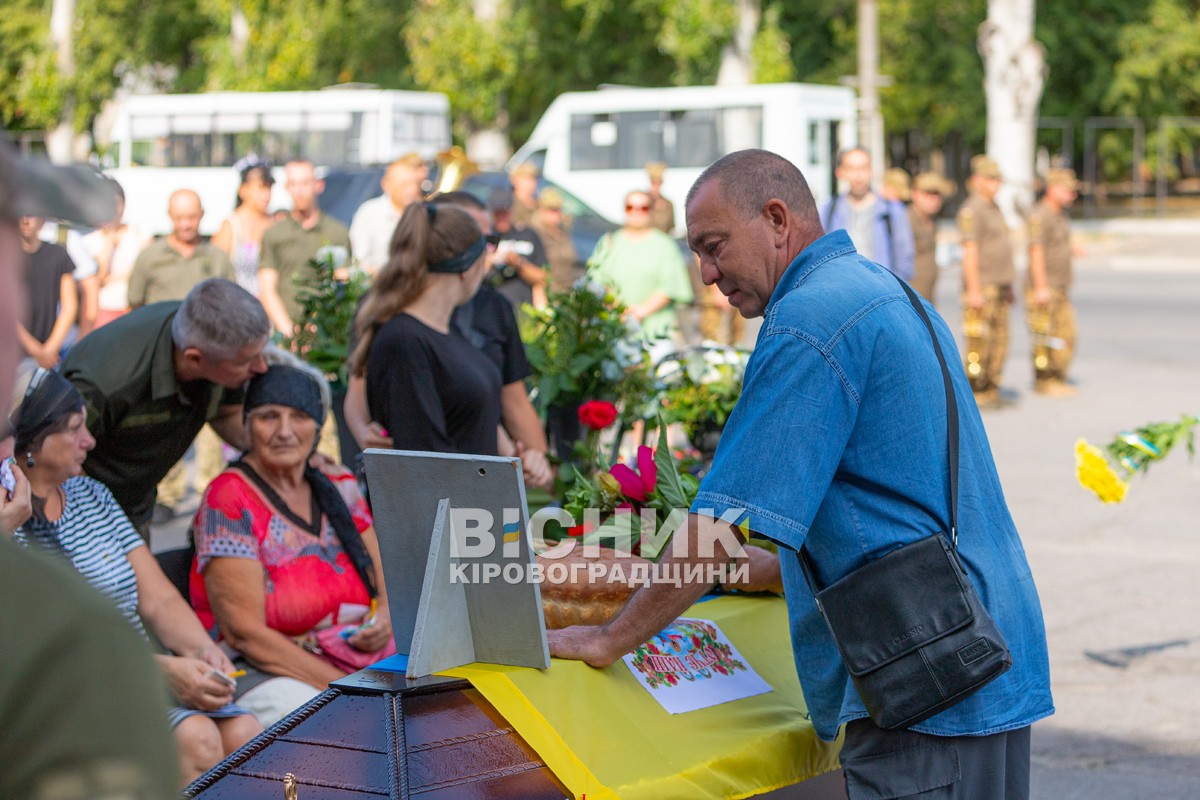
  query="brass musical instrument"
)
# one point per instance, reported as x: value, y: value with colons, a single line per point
x: 453, y: 169
x: 1042, y: 334
x: 975, y: 330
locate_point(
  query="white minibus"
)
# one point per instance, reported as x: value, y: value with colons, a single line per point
x: 176, y: 141
x: 597, y: 144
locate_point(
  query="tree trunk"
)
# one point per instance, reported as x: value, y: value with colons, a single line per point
x: 239, y: 34
x: 737, y: 58
x: 489, y: 146
x: 870, y: 118
x: 1014, y: 74
x: 60, y: 141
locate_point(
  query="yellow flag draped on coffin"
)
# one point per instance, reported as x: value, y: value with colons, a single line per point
x: 604, y: 736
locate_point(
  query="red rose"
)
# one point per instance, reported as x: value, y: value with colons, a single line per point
x: 581, y: 530
x: 597, y: 414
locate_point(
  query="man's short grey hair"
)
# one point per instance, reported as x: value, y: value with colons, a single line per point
x: 749, y: 178
x: 219, y: 318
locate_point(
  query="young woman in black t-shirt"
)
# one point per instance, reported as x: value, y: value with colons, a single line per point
x: 426, y: 384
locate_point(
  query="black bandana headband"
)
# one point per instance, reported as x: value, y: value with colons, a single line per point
x: 462, y: 262
x: 286, y: 386
x: 47, y: 399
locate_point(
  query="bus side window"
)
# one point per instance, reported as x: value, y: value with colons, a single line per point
x: 639, y: 138
x: 592, y: 152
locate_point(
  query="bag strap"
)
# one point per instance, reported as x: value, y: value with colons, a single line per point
x: 806, y: 566
x: 951, y: 410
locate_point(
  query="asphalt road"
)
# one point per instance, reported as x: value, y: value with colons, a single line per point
x: 1118, y: 583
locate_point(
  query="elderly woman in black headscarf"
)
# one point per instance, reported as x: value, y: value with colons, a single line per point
x: 287, y: 568
x: 77, y: 518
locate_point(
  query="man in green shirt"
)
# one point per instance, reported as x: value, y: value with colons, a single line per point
x: 152, y: 378
x: 169, y: 267
x: 289, y: 246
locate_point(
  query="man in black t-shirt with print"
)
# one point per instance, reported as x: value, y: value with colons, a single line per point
x: 51, y: 301
x: 519, y: 263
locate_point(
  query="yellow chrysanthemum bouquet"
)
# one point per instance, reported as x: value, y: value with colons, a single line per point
x: 1107, y: 472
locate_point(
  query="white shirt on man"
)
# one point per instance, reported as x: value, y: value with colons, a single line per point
x: 371, y: 232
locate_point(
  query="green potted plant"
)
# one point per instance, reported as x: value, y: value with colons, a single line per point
x: 323, y: 333
x: 582, y: 347
x: 700, y: 388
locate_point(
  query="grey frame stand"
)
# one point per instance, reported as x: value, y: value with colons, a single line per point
x: 441, y: 518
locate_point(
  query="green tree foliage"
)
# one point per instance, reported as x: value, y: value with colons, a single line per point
x: 576, y: 45
x: 472, y: 60
x: 693, y: 33
x: 32, y: 92
x: 772, y: 51
x: 820, y: 34
x: 928, y: 47
x: 1104, y: 56
x: 30, y: 95
x: 1159, y: 64
x: 1155, y: 76
x: 304, y: 44
x: 1083, y: 43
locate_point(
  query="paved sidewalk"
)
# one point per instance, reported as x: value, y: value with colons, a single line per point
x: 1118, y: 583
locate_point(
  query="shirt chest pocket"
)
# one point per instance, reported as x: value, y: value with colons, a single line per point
x: 146, y: 419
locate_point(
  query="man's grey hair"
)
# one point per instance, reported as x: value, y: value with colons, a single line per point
x: 219, y: 318
x: 749, y: 178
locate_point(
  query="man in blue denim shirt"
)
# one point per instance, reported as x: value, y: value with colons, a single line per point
x: 879, y: 227
x: 839, y: 443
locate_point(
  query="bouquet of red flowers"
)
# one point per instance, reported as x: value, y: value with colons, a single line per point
x: 634, y: 507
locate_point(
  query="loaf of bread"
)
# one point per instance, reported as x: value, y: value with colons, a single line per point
x: 585, y: 588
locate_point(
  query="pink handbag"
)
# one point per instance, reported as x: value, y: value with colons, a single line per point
x: 327, y: 643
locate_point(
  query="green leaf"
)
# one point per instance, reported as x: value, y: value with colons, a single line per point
x: 668, y: 485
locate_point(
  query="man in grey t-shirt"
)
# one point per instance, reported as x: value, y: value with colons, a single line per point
x: 878, y: 227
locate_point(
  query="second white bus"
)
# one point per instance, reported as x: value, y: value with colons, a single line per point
x: 597, y: 144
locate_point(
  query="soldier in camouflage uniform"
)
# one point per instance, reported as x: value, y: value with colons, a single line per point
x: 988, y: 275
x: 662, y: 210
x: 1048, y: 308
x: 929, y: 189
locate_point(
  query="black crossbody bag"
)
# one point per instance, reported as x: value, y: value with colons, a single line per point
x: 912, y: 632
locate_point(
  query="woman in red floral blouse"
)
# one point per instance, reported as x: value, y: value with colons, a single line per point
x: 287, y: 568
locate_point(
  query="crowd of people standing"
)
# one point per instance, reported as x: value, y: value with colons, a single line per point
x: 166, y: 343
x: 897, y: 228
x: 151, y: 346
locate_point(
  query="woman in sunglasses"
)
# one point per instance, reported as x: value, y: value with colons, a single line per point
x: 645, y: 267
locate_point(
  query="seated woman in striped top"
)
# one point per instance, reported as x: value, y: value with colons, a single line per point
x: 76, y: 517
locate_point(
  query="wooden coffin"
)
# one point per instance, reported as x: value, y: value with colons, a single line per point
x: 375, y: 734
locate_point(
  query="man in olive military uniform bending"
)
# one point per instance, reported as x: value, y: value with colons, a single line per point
x: 988, y: 274
x: 1047, y: 306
